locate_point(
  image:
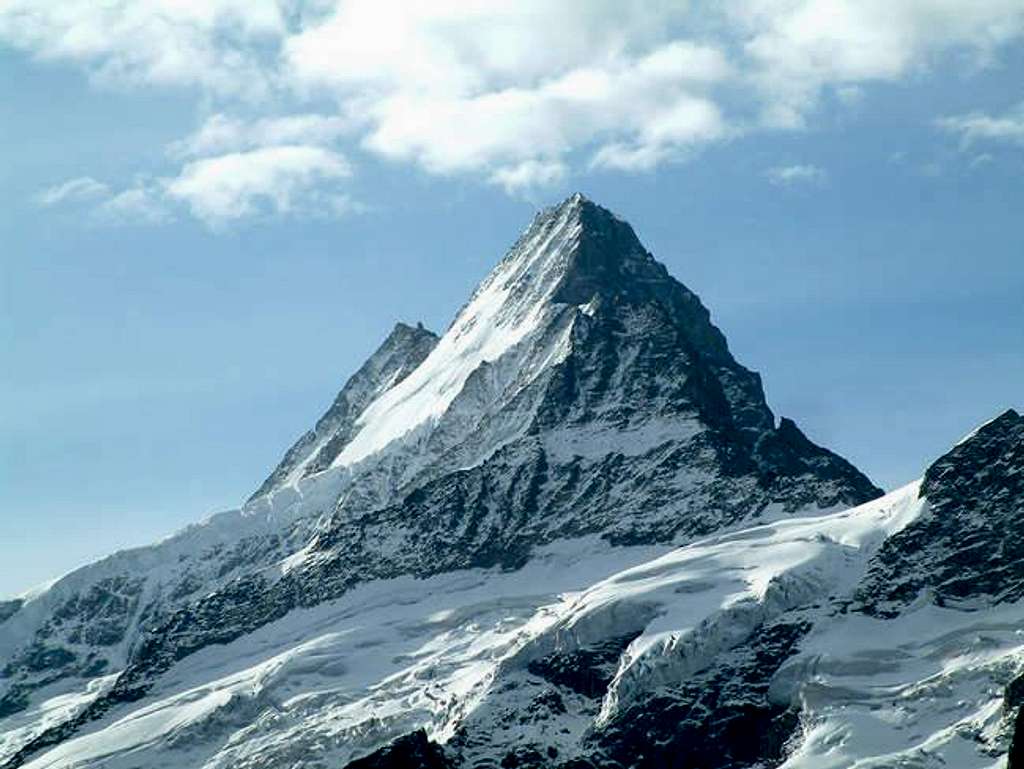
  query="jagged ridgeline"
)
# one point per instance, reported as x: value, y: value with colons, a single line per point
x: 568, y: 532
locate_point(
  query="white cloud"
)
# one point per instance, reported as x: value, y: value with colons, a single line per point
x: 284, y: 179
x: 679, y: 127
x: 471, y: 47
x: 73, y: 190
x: 222, y: 133
x: 277, y: 178
x: 796, y: 48
x: 652, y: 104
x: 283, y: 164
x: 977, y: 127
x: 529, y: 175
x: 516, y: 92
x: 787, y: 176
x: 215, y: 44
x: 141, y: 204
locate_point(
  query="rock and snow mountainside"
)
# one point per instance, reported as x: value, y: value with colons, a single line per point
x: 403, y: 350
x: 567, y: 533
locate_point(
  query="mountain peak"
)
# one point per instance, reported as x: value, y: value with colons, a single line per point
x: 398, y: 355
x: 603, y: 259
x: 579, y: 205
x: 590, y: 216
x: 405, y: 332
x: 993, y: 447
x: 575, y: 200
x: 965, y: 548
x: 577, y: 270
x: 576, y: 251
x: 998, y: 425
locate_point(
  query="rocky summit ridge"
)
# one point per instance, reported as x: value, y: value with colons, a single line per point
x: 556, y: 330
x: 567, y: 532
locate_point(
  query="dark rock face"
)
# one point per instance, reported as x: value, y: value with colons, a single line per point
x: 403, y: 350
x: 14, y: 701
x: 719, y: 719
x: 413, y: 751
x: 1015, y: 759
x: 969, y: 544
x: 100, y: 616
x: 96, y: 618
x: 9, y: 608
x: 587, y: 670
x: 612, y: 269
x: 787, y: 460
x: 1013, y: 700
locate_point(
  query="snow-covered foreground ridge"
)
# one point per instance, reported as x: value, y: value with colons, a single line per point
x: 569, y: 532
x: 467, y: 656
x: 397, y: 655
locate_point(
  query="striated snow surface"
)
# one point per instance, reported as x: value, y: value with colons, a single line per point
x: 330, y: 683
x: 498, y: 317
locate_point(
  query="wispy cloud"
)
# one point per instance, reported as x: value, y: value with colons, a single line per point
x: 222, y: 133
x: 788, y: 176
x: 74, y: 190
x: 529, y: 175
x: 142, y: 204
x: 975, y: 127
x: 220, y: 189
x: 285, y: 179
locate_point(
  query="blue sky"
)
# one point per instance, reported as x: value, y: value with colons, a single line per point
x: 211, y: 213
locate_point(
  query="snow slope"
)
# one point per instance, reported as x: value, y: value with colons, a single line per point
x: 395, y: 655
x: 328, y: 684
x: 499, y: 316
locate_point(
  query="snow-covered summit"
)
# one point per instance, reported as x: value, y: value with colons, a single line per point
x: 571, y: 258
x: 512, y: 305
x: 576, y: 284
x: 403, y: 350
